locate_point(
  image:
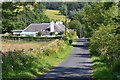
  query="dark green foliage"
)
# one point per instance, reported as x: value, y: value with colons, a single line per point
x: 39, y: 33
x: 94, y: 14
x: 63, y: 9
x: 75, y: 25
x: 105, y: 44
x: 102, y: 27
x: 52, y: 33
x: 56, y: 5
x: 61, y: 33
x: 70, y: 41
x: 19, y: 15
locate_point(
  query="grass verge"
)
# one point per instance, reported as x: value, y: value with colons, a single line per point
x: 101, y: 71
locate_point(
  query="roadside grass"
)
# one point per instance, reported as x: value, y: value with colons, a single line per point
x: 55, y: 59
x: 101, y: 71
x: 55, y: 15
x: 32, y: 64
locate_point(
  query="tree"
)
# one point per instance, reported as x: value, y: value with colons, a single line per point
x: 8, y: 15
x: 105, y: 40
x: 94, y: 14
x: 75, y: 25
x: 18, y: 15
x: 63, y: 9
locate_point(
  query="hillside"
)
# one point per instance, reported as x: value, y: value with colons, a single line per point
x: 55, y: 15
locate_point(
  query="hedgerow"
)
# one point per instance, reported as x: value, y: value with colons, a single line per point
x: 32, y: 63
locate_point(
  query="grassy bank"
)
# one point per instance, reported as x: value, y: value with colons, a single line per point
x: 33, y: 63
x: 101, y: 71
x: 55, y: 15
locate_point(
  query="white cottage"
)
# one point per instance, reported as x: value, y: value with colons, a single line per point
x: 44, y: 28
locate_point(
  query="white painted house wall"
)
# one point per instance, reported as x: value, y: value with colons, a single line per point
x: 52, y: 26
x: 59, y: 22
x: 29, y: 34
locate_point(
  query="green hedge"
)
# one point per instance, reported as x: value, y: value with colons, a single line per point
x: 105, y: 44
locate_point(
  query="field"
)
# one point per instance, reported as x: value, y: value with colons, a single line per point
x: 55, y: 15
x: 17, y: 45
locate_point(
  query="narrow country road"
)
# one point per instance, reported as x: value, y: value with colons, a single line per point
x: 77, y: 66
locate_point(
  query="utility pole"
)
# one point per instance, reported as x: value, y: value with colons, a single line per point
x: 65, y: 19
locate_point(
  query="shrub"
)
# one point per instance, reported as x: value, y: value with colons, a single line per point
x: 70, y: 41
x: 105, y: 44
x: 73, y: 34
x: 52, y: 33
x: 61, y: 33
x: 102, y: 73
x: 49, y: 52
x: 39, y: 33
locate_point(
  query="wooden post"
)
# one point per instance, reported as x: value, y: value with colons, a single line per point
x: 65, y: 21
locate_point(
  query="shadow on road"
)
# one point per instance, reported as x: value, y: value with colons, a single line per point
x: 79, y: 45
x: 81, y: 40
x: 67, y: 73
x: 82, y: 55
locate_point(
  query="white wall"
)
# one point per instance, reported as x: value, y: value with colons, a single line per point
x: 59, y: 22
x: 52, y: 26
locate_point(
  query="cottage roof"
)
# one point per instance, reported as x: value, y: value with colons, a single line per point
x: 44, y: 28
x: 59, y: 27
x: 37, y: 27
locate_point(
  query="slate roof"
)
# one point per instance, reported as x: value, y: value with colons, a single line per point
x: 44, y: 28
x: 59, y: 27
x: 37, y: 27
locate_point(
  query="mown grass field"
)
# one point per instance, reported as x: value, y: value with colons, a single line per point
x: 55, y: 15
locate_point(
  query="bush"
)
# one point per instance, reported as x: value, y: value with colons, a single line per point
x: 61, y: 33
x: 70, y: 41
x: 105, y: 44
x: 67, y: 39
x: 39, y: 34
x: 52, y: 33
x: 73, y: 34
x: 102, y: 73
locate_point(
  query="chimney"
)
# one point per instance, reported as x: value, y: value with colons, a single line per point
x: 52, y: 26
x: 59, y: 22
